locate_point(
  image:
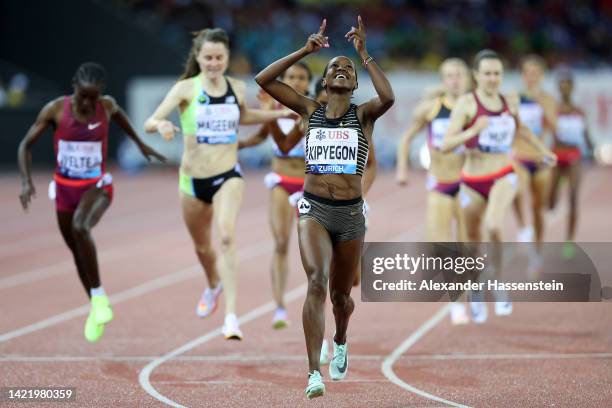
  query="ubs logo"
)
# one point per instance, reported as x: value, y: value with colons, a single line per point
x: 320, y: 135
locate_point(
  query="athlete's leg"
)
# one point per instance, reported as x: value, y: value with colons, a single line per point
x: 91, y: 207
x: 540, y: 190
x: 524, y: 179
x: 472, y: 208
x: 557, y: 173
x: 281, y: 221
x: 226, y: 204
x: 440, y: 209
x: 64, y: 220
x: 574, y: 181
x: 316, y: 253
x: 198, y: 218
x: 346, y: 256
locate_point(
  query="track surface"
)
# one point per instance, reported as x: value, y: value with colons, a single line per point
x: 541, y: 355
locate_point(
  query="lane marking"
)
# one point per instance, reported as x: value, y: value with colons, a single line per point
x: 144, y: 378
x: 147, y: 287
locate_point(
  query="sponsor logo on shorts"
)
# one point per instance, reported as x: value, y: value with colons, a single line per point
x: 303, y: 206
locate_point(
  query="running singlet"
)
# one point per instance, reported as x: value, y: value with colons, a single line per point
x: 499, y: 135
x: 532, y: 115
x: 286, y: 125
x: 80, y: 148
x: 571, y: 128
x: 211, y: 119
x: 439, y: 119
x: 335, y: 146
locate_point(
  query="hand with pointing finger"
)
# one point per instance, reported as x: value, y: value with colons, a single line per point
x: 317, y: 41
x: 358, y: 36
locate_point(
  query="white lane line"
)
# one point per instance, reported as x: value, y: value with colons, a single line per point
x: 149, y: 286
x: 243, y: 382
x: 215, y: 358
x: 144, y: 378
x: 387, y: 364
x: 288, y: 358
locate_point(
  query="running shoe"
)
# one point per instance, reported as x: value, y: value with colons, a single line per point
x: 101, y: 310
x: 280, y: 321
x: 479, y: 312
x: 503, y: 308
x: 569, y: 250
x: 92, y: 331
x: 458, y: 314
x: 324, y: 358
x: 315, y: 388
x: 339, y: 363
x: 209, y: 301
x: 525, y: 234
x: 231, y: 329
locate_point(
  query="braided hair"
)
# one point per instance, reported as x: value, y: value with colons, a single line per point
x: 90, y: 73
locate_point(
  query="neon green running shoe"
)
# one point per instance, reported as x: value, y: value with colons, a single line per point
x: 569, y: 250
x: 93, y: 331
x: 101, y: 310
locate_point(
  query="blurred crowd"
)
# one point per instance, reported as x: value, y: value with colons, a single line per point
x: 415, y: 34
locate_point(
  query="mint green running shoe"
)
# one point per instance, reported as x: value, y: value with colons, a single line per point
x: 315, y: 388
x: 339, y: 363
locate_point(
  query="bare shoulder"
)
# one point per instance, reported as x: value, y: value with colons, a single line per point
x: 52, y: 110
x: 237, y: 84
x: 109, y: 103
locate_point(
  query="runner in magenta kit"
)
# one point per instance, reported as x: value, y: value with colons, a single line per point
x: 81, y: 187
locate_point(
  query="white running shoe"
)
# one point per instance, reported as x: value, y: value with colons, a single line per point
x: 479, y: 312
x: 280, y: 321
x: 209, y: 301
x: 231, y: 329
x: 315, y: 388
x: 339, y: 363
x: 324, y: 358
x: 503, y: 308
x: 525, y: 234
x: 458, y: 314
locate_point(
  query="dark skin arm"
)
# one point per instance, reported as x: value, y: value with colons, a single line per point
x: 377, y: 106
x: 254, y: 139
x: 118, y: 116
x: 46, y: 117
x: 286, y: 142
x: 370, y: 171
x: 282, y: 92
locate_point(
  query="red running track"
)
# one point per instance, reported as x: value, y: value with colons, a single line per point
x: 541, y: 355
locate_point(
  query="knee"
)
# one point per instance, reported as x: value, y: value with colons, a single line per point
x: 227, y: 238
x: 80, y: 227
x: 205, y: 249
x: 341, y: 300
x: 317, y: 284
x: 494, y: 232
x: 281, y: 245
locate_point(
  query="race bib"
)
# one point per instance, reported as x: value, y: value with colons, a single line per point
x: 438, y: 130
x: 498, y: 136
x: 217, y: 123
x: 532, y: 115
x: 79, y: 159
x: 332, y: 151
x: 570, y: 129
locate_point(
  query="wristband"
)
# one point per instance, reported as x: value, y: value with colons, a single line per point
x: 366, y: 61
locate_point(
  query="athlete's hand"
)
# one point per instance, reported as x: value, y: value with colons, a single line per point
x: 167, y: 129
x: 317, y: 41
x: 27, y: 193
x: 149, y: 153
x: 288, y: 113
x: 358, y: 36
x: 481, y: 124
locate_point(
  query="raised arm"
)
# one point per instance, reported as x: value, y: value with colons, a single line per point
x: 119, y: 116
x: 463, y: 110
x: 419, y: 121
x: 282, y: 92
x: 385, y: 98
x: 45, y: 118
